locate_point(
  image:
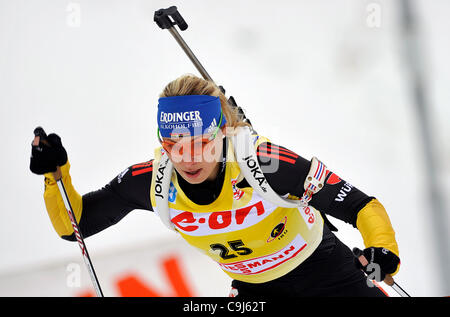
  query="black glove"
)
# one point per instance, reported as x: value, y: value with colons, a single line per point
x: 386, y: 260
x: 48, y: 154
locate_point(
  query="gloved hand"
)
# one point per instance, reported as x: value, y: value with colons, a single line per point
x: 47, y: 152
x: 385, y: 260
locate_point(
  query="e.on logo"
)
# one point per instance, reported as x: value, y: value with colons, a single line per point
x: 206, y: 223
x: 131, y: 285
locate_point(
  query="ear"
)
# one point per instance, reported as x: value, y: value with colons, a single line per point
x: 224, y: 129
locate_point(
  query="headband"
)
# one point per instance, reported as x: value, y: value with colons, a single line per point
x: 189, y: 115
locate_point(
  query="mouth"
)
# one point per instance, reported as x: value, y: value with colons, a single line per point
x: 193, y: 173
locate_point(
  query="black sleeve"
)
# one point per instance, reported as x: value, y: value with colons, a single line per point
x: 105, y: 207
x: 286, y: 172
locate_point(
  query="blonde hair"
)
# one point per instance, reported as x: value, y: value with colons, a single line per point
x: 192, y: 85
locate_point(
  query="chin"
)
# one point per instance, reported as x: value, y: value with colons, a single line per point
x: 195, y: 182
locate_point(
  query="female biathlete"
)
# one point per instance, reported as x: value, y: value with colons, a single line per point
x: 255, y: 208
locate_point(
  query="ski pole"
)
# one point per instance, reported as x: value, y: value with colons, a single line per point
x: 41, y: 136
x: 167, y: 19
x: 389, y: 280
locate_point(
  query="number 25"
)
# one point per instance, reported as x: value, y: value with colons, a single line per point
x: 235, y: 245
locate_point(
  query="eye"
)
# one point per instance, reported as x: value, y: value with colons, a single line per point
x: 168, y: 144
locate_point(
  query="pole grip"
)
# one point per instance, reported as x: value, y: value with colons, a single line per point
x: 167, y: 18
x: 41, y: 136
x: 389, y: 280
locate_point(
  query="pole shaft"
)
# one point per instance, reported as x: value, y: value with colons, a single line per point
x: 400, y: 290
x: 190, y: 54
x: 79, y: 237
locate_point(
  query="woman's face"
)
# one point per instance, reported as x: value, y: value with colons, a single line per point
x: 196, y: 159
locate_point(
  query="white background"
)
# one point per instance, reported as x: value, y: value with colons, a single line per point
x: 314, y: 76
